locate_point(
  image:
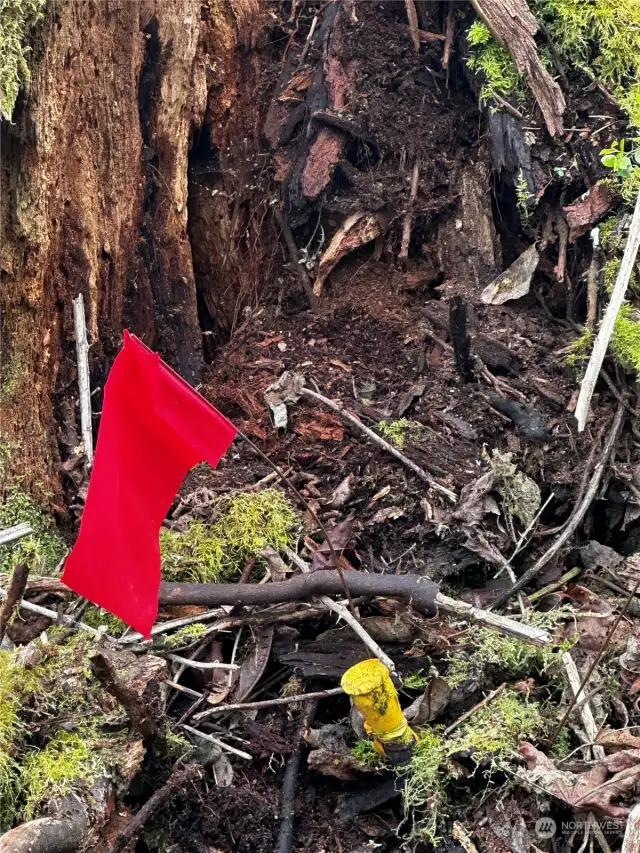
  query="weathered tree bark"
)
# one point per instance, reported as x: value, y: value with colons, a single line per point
x: 95, y: 192
x: 514, y: 26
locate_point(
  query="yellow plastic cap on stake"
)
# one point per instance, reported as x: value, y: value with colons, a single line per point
x: 374, y: 695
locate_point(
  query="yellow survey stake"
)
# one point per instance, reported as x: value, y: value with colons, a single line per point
x: 374, y: 695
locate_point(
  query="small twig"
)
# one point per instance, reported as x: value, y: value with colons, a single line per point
x: 60, y: 618
x: 578, y: 514
x: 606, y: 327
x: 84, y: 387
x: 15, y: 591
x: 295, y: 258
x: 471, y: 711
x: 268, y: 703
x: 412, y: 15
x: 586, y: 713
x: 217, y: 742
x: 449, y: 35
x: 509, y: 627
x: 182, y: 689
x: 201, y: 664
x: 408, y: 217
x: 592, y: 281
x: 427, y: 478
x: 506, y: 105
x: 462, y: 837
x: 289, y: 784
x: 597, y: 658
x: 178, y: 783
x: 554, y: 585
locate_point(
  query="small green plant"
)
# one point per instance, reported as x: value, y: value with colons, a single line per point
x: 580, y: 349
x: 17, y: 507
x: 365, y: 752
x: 494, y: 64
x: 246, y: 524
x: 616, y: 158
x: 396, y: 431
x: 16, y: 16
x: 523, y: 198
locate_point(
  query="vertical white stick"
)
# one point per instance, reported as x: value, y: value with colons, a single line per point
x: 604, y: 335
x: 82, y: 349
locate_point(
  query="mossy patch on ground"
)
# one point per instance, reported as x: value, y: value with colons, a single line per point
x: 215, y: 553
x: 396, y: 431
x: 491, y: 734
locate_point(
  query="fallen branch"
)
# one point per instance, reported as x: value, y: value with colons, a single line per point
x: 514, y: 26
x: 11, y: 534
x: 427, y: 478
x: 586, y: 713
x: 45, y: 835
x: 15, y: 591
x: 421, y: 592
x: 202, y: 664
x: 289, y: 784
x: 606, y: 327
x: 176, y: 784
x: 268, y: 703
x: 526, y: 633
x: 84, y: 387
x: 578, y: 514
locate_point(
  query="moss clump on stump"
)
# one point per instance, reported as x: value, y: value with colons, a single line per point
x: 16, y: 17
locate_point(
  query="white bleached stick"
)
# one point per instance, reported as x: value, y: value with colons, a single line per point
x: 606, y: 328
x: 82, y: 349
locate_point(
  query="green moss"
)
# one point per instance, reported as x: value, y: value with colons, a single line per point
x: 70, y: 760
x: 185, y: 636
x: 491, y: 734
x: 365, y: 752
x: 17, y: 507
x: 216, y: 553
x: 11, y: 729
x: 494, y: 64
x: 625, y: 340
x: 513, y: 658
x: 16, y: 17
x: 96, y: 617
x: 396, y: 431
x: 580, y: 349
x: 415, y: 681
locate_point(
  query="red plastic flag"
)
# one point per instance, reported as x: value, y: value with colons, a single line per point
x: 154, y: 428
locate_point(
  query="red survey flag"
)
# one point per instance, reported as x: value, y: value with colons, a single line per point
x: 154, y: 428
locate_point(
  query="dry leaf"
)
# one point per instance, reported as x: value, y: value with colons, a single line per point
x: 255, y: 663
x: 431, y: 704
x: 591, y: 791
x: 615, y: 739
x: 513, y: 282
